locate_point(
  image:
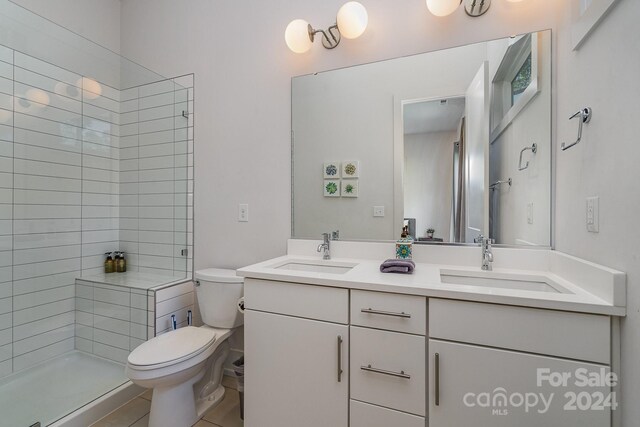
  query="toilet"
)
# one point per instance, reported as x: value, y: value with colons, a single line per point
x: 185, y: 367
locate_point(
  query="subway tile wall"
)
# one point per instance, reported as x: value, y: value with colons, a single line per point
x: 111, y: 320
x: 85, y: 169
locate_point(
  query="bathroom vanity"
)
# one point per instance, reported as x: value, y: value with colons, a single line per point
x: 337, y: 343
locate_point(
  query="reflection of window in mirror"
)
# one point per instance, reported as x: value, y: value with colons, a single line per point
x: 515, y: 79
x: 521, y: 81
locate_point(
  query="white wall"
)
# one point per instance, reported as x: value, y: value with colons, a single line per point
x: 428, y: 181
x: 603, y: 75
x: 243, y: 70
x: 97, y: 20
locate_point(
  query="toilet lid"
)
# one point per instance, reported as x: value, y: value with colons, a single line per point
x: 173, y: 346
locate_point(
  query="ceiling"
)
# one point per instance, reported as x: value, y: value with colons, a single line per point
x: 433, y: 116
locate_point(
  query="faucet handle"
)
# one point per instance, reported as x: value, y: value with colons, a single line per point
x: 335, y: 235
x: 479, y: 239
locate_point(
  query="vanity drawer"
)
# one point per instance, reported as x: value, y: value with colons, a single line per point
x: 388, y: 369
x: 556, y: 333
x: 393, y: 312
x: 295, y: 299
x: 366, y: 415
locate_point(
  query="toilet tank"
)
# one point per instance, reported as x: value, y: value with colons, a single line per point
x: 218, y: 291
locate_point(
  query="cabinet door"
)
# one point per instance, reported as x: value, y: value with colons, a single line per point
x: 292, y: 372
x: 485, y: 387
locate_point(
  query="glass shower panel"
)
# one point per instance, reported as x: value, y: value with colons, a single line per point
x: 95, y: 156
x: 153, y: 179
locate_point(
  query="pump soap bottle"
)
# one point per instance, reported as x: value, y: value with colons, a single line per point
x: 121, y: 263
x: 109, y: 264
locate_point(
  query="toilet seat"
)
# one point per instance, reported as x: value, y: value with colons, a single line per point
x: 172, y: 348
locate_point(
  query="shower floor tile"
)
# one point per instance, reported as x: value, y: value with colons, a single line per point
x: 51, y: 390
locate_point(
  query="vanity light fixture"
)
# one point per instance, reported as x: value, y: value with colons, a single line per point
x: 473, y: 8
x: 351, y: 22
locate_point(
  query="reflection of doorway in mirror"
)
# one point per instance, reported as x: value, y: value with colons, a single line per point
x: 431, y: 131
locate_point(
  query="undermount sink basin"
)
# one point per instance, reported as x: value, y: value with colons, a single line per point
x: 511, y: 281
x: 316, y: 266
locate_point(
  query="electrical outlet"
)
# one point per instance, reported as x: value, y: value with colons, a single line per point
x: 593, y: 214
x: 378, y: 211
x: 243, y: 212
x: 530, y: 213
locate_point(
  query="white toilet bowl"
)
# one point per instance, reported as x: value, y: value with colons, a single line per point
x: 184, y: 367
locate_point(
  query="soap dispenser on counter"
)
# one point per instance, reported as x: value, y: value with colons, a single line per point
x: 121, y: 262
x: 109, y: 264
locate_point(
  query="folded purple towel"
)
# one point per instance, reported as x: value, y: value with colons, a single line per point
x: 392, y: 265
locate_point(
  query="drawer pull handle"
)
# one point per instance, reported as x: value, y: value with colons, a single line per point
x: 386, y: 313
x: 437, y: 379
x: 340, y: 358
x: 400, y: 374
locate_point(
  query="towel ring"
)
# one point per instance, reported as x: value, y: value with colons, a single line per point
x: 585, y: 117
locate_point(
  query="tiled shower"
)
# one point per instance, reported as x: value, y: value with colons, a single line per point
x: 96, y: 155
x: 76, y: 182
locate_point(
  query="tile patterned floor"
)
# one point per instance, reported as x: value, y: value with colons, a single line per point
x: 136, y: 412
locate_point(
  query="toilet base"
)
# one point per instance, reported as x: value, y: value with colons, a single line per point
x: 182, y: 405
x: 205, y: 405
x: 170, y: 408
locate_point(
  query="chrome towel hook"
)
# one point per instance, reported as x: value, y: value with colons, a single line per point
x: 585, y: 117
x: 534, y: 150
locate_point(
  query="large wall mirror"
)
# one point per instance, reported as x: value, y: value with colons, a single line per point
x: 442, y: 146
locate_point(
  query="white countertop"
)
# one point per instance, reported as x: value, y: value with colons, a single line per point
x: 592, y: 288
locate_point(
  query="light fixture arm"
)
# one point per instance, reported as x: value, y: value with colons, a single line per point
x: 475, y: 8
x: 330, y: 38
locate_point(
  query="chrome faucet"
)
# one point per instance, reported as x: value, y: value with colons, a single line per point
x: 487, y: 255
x: 324, y: 247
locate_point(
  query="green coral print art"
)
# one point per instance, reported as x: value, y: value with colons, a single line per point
x: 331, y: 188
x: 349, y: 189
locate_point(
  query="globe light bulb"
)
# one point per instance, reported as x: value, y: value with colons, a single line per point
x: 442, y: 7
x: 92, y: 89
x: 297, y: 36
x: 39, y: 97
x: 352, y: 20
x: 5, y: 116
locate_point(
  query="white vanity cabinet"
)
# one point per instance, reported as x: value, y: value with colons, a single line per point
x: 322, y: 356
x: 387, y: 357
x: 296, y: 355
x: 493, y: 366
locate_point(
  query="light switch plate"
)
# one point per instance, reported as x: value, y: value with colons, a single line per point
x: 530, y: 213
x: 243, y: 212
x: 593, y: 214
x: 378, y: 211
